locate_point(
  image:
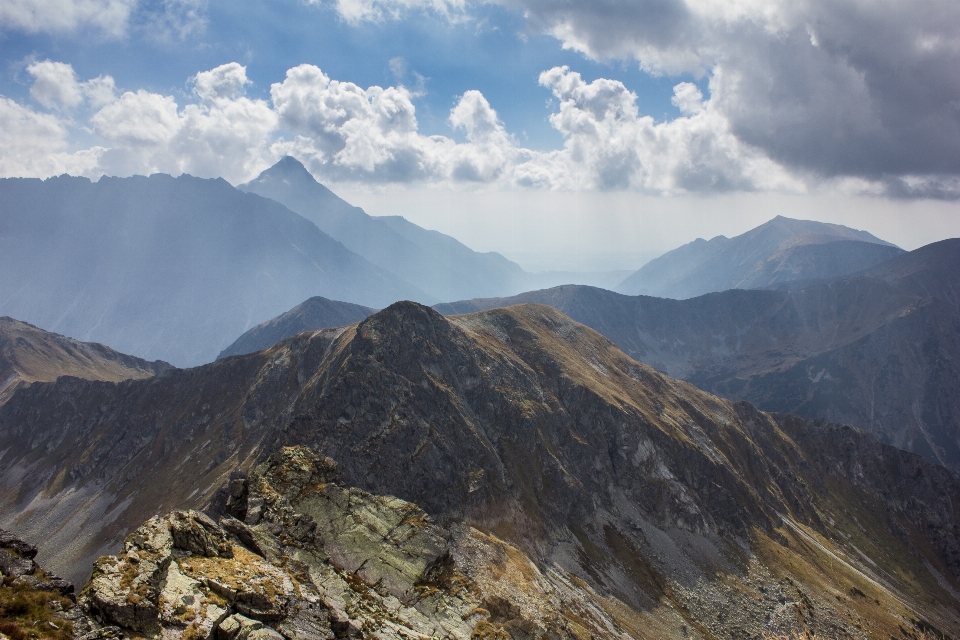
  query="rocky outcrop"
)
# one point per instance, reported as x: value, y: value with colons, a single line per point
x: 296, y: 555
x: 33, y: 602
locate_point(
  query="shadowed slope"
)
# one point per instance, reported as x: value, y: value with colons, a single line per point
x: 436, y: 263
x: 170, y: 268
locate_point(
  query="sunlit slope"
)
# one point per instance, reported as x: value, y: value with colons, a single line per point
x: 29, y: 354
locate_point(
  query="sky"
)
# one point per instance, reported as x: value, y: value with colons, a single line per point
x: 566, y: 134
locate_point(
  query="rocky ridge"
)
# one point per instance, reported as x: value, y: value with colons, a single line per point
x: 878, y: 350
x: 298, y: 555
x: 633, y: 504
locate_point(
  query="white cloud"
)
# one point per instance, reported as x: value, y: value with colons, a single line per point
x: 347, y: 133
x: 35, y: 145
x: 55, y: 86
x: 156, y: 19
x: 356, y: 11
x: 59, y: 16
x: 226, y: 81
x: 226, y: 134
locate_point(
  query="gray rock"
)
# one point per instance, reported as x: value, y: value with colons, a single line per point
x: 13, y: 565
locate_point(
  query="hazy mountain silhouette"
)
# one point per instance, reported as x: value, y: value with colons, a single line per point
x: 310, y: 315
x: 436, y: 263
x: 879, y: 350
x: 777, y: 251
x: 590, y: 494
x: 167, y: 268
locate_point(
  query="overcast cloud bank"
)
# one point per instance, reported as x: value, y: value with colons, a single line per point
x: 850, y: 96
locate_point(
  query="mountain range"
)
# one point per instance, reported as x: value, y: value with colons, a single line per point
x: 573, y: 490
x: 877, y: 350
x: 778, y: 251
x: 167, y: 268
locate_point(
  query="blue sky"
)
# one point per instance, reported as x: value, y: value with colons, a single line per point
x: 673, y: 107
x: 494, y: 52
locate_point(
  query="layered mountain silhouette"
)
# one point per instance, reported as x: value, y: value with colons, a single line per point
x: 29, y: 354
x: 878, y: 350
x: 592, y: 495
x: 167, y: 268
x: 436, y: 263
x: 778, y: 251
x: 310, y: 315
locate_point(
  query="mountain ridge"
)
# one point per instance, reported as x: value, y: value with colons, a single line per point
x: 168, y: 268
x: 780, y: 250
x: 656, y: 505
x: 880, y: 341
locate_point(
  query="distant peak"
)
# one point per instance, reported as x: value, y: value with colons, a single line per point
x: 287, y: 167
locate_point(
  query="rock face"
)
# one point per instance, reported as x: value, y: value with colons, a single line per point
x: 777, y: 251
x: 310, y: 315
x: 579, y: 491
x: 167, y: 268
x: 299, y: 555
x: 29, y: 354
x: 35, y: 603
x: 878, y: 350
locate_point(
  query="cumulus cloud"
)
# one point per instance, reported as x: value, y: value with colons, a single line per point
x: 828, y: 88
x: 55, y: 85
x: 225, y: 134
x: 35, y: 145
x: 345, y: 132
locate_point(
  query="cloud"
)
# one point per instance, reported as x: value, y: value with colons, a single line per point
x: 35, y: 145
x: 827, y: 88
x: 158, y: 19
x: 226, y: 81
x: 110, y: 17
x: 347, y: 133
x: 356, y: 11
x: 225, y: 134
x: 55, y: 86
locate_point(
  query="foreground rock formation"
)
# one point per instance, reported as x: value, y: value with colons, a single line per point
x: 306, y: 557
x: 597, y: 496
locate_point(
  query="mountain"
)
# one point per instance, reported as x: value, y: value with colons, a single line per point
x: 310, y: 315
x: 29, y: 354
x: 436, y: 263
x: 590, y: 494
x: 777, y: 251
x: 878, y: 350
x: 167, y: 268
